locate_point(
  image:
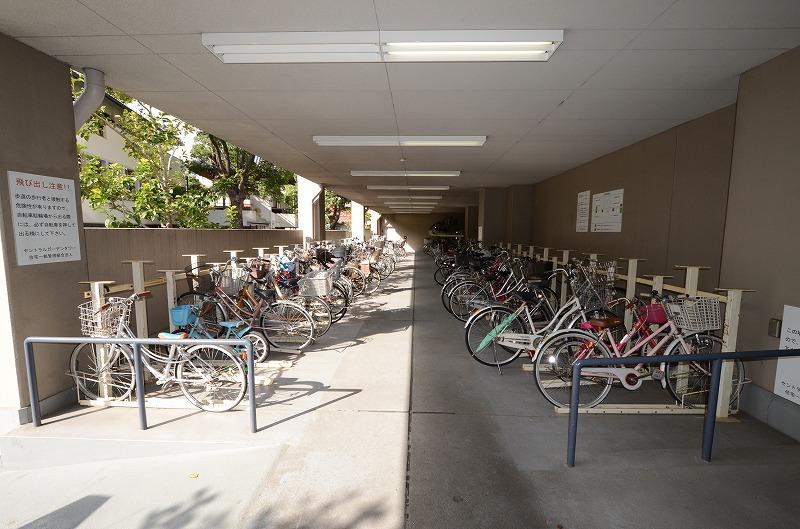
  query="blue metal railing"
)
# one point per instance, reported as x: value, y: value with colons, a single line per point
x: 716, y: 360
x: 137, y: 343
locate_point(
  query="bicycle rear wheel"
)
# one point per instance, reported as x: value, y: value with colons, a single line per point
x: 103, y: 372
x: 488, y: 321
x: 464, y: 297
x: 690, y: 382
x: 211, y: 377
x: 553, y: 369
x: 212, y: 312
x: 319, y: 310
x: 287, y: 326
x: 338, y: 302
x: 373, y: 281
x: 357, y: 278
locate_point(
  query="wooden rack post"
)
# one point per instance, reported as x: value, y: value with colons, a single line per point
x: 97, y: 288
x: 262, y: 250
x: 564, y: 284
x: 630, y: 286
x: 172, y: 291
x: 553, y: 280
x: 234, y: 254
x: 137, y: 270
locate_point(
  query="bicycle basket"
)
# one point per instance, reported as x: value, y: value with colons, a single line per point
x: 183, y: 315
x: 200, y: 278
x: 696, y: 314
x: 316, y: 284
x: 232, y: 281
x: 103, y: 323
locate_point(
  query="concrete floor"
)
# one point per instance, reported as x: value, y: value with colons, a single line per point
x: 339, y: 449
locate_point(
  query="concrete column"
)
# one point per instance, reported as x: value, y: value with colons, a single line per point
x: 310, y: 209
x: 357, y: 220
x: 374, y: 222
x: 471, y: 222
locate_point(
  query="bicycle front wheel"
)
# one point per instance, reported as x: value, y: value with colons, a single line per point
x: 102, y: 371
x: 553, y: 369
x: 319, y: 310
x: 287, y: 326
x: 372, y: 281
x: 211, y: 377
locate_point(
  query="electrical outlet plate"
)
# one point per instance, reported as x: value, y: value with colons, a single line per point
x: 774, y: 329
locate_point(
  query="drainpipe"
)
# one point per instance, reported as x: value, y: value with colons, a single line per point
x: 94, y: 90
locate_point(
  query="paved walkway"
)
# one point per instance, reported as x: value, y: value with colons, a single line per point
x: 338, y: 449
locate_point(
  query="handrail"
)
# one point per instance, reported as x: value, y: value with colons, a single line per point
x: 716, y: 360
x: 33, y: 387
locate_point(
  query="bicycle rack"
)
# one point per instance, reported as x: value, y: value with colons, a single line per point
x: 717, y: 361
x: 136, y: 343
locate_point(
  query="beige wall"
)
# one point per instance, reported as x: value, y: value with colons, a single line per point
x: 38, y: 136
x: 492, y: 218
x: 471, y: 222
x: 762, y: 228
x: 519, y: 214
x: 676, y: 186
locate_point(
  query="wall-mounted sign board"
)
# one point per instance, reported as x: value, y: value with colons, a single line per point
x: 582, y: 215
x: 44, y: 217
x: 607, y: 211
x: 787, y: 376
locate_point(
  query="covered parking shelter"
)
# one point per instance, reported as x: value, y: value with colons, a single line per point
x: 663, y: 134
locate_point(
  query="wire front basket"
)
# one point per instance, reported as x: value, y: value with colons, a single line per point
x: 318, y: 283
x: 696, y: 314
x: 232, y: 280
x: 105, y: 322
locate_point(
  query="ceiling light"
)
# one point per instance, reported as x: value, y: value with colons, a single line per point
x: 405, y: 173
x: 410, y: 203
x: 400, y: 141
x: 410, y: 188
x: 420, y: 197
x: 384, y: 46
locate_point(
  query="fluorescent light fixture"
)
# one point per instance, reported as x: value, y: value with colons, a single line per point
x: 400, y: 141
x: 410, y: 188
x: 405, y: 197
x: 411, y: 204
x: 405, y: 173
x: 384, y: 46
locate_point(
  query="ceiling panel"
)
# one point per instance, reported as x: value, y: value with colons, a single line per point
x: 190, y: 106
x: 581, y: 128
x: 677, y: 69
x: 40, y: 18
x: 216, y: 75
x: 731, y: 14
x: 197, y: 16
x: 716, y: 39
x: 496, y: 104
x: 304, y: 129
x: 133, y: 73
x: 311, y: 104
x: 643, y: 104
x: 515, y: 14
x: 597, y: 39
x: 567, y: 69
x: 87, y: 45
x: 466, y: 126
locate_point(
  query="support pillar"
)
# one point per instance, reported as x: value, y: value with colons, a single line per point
x: 310, y: 209
x: 356, y: 220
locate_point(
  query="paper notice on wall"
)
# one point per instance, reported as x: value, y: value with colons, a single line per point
x: 787, y: 376
x: 607, y: 211
x: 582, y: 215
x: 44, y: 217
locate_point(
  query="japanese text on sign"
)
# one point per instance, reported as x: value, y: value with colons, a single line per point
x: 787, y: 375
x: 44, y: 217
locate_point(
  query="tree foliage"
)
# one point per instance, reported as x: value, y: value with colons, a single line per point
x: 158, y: 189
x: 334, y: 206
x: 237, y: 173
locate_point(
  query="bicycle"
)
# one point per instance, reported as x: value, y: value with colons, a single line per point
x: 211, y: 377
x: 687, y: 382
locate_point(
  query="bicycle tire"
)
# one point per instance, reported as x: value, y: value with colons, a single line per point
x: 212, y: 378
x: 484, y: 322
x: 552, y: 368
x: 118, y: 372
x: 287, y: 325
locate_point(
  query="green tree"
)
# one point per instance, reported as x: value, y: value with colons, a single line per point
x: 334, y: 206
x: 159, y: 188
x: 237, y: 173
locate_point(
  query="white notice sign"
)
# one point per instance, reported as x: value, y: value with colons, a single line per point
x: 45, y: 218
x: 787, y: 376
x: 582, y: 216
x: 607, y: 211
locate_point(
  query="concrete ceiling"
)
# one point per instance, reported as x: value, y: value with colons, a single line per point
x: 627, y: 69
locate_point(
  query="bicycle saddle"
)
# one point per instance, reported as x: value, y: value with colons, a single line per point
x: 605, y: 323
x: 173, y: 335
x: 230, y: 324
